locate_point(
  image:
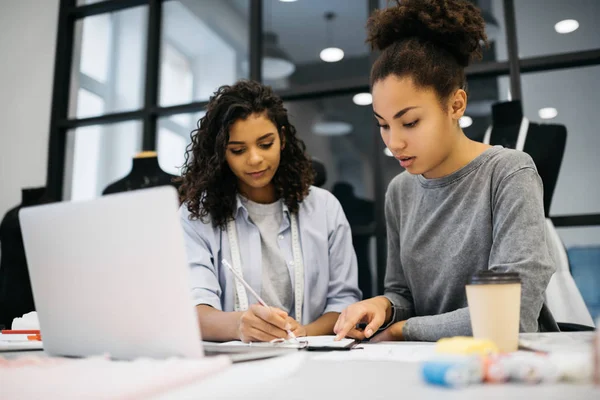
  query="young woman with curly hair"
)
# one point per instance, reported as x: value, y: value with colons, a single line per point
x: 247, y: 198
x: 461, y: 206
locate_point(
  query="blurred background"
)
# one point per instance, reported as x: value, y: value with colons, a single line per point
x: 92, y: 83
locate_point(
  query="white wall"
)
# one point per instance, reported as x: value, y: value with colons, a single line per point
x: 27, y: 46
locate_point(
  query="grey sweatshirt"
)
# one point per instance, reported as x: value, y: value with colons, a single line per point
x: 487, y: 215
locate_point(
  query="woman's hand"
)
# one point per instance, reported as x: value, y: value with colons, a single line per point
x: 374, y: 312
x: 297, y: 329
x: 391, y: 334
x: 263, y: 324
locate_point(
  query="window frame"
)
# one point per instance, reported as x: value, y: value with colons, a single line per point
x: 151, y: 111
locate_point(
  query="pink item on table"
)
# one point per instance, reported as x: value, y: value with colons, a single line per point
x: 33, y: 377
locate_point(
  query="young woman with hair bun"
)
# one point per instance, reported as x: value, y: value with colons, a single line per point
x: 461, y: 206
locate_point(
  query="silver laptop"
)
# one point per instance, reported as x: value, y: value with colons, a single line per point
x: 110, y: 276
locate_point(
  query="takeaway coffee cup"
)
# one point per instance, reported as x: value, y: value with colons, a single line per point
x: 494, y: 304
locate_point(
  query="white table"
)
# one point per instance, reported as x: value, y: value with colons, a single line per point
x: 386, y: 380
x: 319, y: 379
x: 307, y: 377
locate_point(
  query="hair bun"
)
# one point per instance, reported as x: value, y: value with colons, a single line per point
x: 455, y: 25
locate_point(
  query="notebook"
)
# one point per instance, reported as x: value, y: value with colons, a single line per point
x: 20, y: 345
x: 324, y: 342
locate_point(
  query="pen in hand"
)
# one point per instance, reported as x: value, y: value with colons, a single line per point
x: 260, y: 300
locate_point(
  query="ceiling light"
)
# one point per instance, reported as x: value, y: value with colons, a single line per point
x: 465, y: 121
x: 332, y: 128
x: 547, y: 113
x: 566, y: 26
x: 332, y: 54
x: 287, y: 1
x: 362, y: 99
x: 388, y: 152
x: 276, y: 63
x: 328, y: 124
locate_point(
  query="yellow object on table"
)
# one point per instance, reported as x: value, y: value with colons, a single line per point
x: 466, y: 346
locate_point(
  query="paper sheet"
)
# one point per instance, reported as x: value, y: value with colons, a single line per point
x: 233, y: 343
x: 27, y: 321
x: 318, y: 341
x: 558, y: 341
x: 403, y: 352
x: 326, y: 341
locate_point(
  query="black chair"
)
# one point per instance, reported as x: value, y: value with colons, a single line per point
x: 320, y: 172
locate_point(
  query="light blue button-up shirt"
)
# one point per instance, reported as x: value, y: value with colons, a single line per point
x: 330, y: 268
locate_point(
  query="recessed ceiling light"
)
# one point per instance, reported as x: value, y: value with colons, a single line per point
x: 566, y: 26
x: 287, y: 1
x: 332, y: 54
x: 547, y: 113
x: 388, y: 152
x: 362, y: 99
x: 332, y: 128
x: 465, y: 121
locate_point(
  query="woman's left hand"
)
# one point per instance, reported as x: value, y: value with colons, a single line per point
x: 296, y: 328
x: 391, y: 334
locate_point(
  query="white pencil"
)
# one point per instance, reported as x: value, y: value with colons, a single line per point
x: 260, y: 300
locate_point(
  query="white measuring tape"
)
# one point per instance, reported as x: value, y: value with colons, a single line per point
x: 520, y: 139
x: 241, y: 297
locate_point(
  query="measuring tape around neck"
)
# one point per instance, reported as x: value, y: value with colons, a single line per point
x: 241, y: 297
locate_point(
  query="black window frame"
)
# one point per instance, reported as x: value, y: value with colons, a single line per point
x: 60, y: 123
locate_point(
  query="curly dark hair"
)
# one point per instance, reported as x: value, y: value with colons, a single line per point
x: 209, y: 187
x: 432, y: 41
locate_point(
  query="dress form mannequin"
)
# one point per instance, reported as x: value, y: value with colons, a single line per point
x: 506, y: 124
x: 16, y: 298
x: 145, y: 173
x: 545, y: 143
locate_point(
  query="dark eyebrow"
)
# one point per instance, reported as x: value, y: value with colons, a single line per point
x: 398, y: 114
x: 258, y: 140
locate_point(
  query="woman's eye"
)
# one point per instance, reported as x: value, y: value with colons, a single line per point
x: 237, y: 151
x: 266, y: 145
x: 411, y: 124
x: 383, y: 126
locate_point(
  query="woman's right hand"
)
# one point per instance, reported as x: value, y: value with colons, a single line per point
x: 263, y: 324
x: 374, y: 312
